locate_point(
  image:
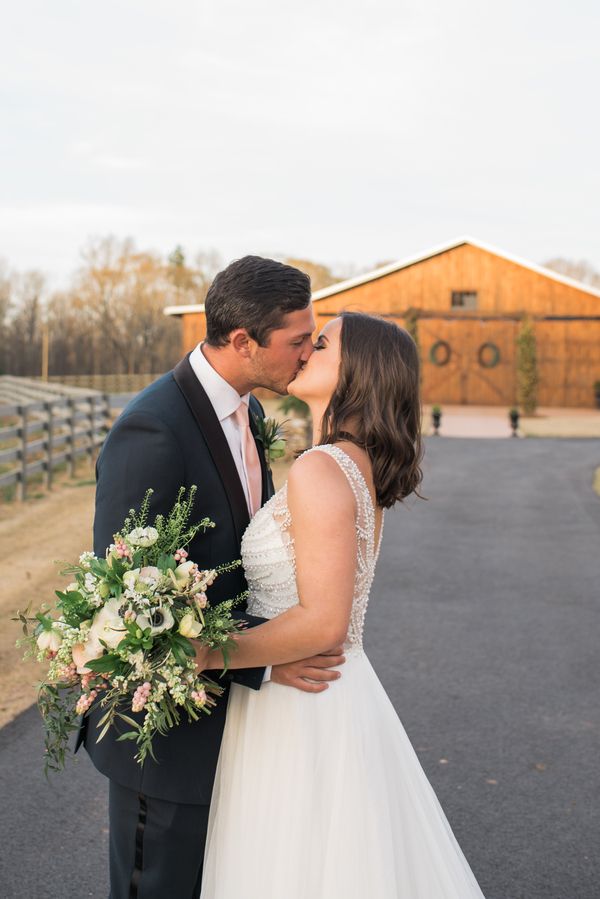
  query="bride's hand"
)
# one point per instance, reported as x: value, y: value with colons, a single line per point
x: 202, y: 654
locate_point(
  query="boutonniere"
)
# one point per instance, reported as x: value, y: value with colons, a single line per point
x: 270, y: 434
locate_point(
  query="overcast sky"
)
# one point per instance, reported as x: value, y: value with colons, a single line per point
x: 345, y: 132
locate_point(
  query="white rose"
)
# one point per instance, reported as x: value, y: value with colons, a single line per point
x: 85, y: 652
x: 49, y: 639
x: 130, y: 577
x: 183, y: 573
x: 107, y: 624
x: 159, y: 620
x: 143, y: 536
x: 189, y: 626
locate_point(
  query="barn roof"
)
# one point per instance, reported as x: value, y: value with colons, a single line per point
x: 384, y: 270
x: 341, y: 286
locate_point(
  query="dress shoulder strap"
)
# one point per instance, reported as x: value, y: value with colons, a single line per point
x: 365, y: 511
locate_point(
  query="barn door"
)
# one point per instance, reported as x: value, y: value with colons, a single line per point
x: 468, y: 361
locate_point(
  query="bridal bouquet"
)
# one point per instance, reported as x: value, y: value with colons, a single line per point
x: 119, y: 634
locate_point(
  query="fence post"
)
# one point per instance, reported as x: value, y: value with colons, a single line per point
x: 49, y: 428
x: 106, y: 398
x: 92, y: 418
x: 71, y: 404
x: 22, y: 410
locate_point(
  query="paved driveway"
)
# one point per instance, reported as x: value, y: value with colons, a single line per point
x: 484, y: 628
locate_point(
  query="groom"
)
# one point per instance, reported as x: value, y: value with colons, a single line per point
x: 196, y: 425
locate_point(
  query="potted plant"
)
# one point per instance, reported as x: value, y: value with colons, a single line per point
x: 597, y: 393
x: 513, y: 415
x: 436, y: 419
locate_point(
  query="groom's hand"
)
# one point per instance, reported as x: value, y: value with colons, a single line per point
x: 311, y: 675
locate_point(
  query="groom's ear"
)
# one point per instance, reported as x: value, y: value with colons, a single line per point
x: 242, y: 343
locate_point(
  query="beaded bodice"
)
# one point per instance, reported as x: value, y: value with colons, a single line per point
x: 269, y: 558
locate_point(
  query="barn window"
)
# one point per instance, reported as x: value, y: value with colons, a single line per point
x: 464, y: 299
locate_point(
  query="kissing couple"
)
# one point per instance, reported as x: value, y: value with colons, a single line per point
x: 302, y: 783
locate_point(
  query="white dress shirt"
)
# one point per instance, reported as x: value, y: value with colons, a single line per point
x: 225, y: 400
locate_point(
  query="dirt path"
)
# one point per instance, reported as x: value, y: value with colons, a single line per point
x: 32, y: 535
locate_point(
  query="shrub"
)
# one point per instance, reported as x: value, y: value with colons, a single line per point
x: 527, y: 371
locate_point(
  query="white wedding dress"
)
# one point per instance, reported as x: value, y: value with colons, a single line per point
x: 321, y: 796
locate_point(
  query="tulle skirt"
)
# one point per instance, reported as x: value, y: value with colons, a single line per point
x: 323, y: 797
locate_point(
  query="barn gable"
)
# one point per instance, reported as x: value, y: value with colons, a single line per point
x: 464, y: 276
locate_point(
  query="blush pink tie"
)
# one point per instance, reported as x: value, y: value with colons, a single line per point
x: 250, y: 458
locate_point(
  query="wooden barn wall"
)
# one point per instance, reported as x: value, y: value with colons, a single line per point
x: 194, y: 330
x: 568, y: 361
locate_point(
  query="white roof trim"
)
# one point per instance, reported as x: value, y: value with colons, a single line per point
x: 442, y: 248
x: 182, y: 310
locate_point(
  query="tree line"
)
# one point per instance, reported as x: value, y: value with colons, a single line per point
x: 110, y: 319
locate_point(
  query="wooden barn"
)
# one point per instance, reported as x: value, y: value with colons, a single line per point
x: 467, y: 300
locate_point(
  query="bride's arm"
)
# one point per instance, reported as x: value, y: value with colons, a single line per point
x: 322, y: 509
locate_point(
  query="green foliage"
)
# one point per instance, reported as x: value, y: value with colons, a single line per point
x: 270, y: 433
x: 527, y: 370
x: 174, y: 530
x: 291, y: 405
x: 74, y: 607
x: 411, y: 323
x: 60, y: 720
x: 177, y: 257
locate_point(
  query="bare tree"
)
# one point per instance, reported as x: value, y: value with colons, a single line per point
x: 320, y: 275
x: 124, y: 293
x: 110, y: 320
x: 580, y: 271
x: 23, y: 310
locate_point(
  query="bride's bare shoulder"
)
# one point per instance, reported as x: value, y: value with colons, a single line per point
x: 318, y: 478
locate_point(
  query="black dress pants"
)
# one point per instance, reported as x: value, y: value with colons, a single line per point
x: 156, y: 847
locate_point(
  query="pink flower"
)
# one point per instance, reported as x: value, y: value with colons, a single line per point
x: 180, y: 555
x: 84, y: 702
x: 140, y: 697
x: 122, y: 550
x: 68, y: 672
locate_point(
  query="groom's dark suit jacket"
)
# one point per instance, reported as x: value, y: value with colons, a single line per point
x: 169, y: 436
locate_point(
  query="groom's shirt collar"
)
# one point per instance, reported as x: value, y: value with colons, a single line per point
x: 224, y: 398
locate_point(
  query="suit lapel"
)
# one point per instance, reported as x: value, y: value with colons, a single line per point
x: 267, y: 481
x: 215, y: 439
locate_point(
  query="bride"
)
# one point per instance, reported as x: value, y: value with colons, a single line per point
x: 324, y: 797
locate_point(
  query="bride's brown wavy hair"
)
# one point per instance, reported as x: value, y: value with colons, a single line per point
x: 378, y: 395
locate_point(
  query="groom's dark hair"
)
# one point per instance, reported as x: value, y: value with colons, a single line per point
x: 253, y: 293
